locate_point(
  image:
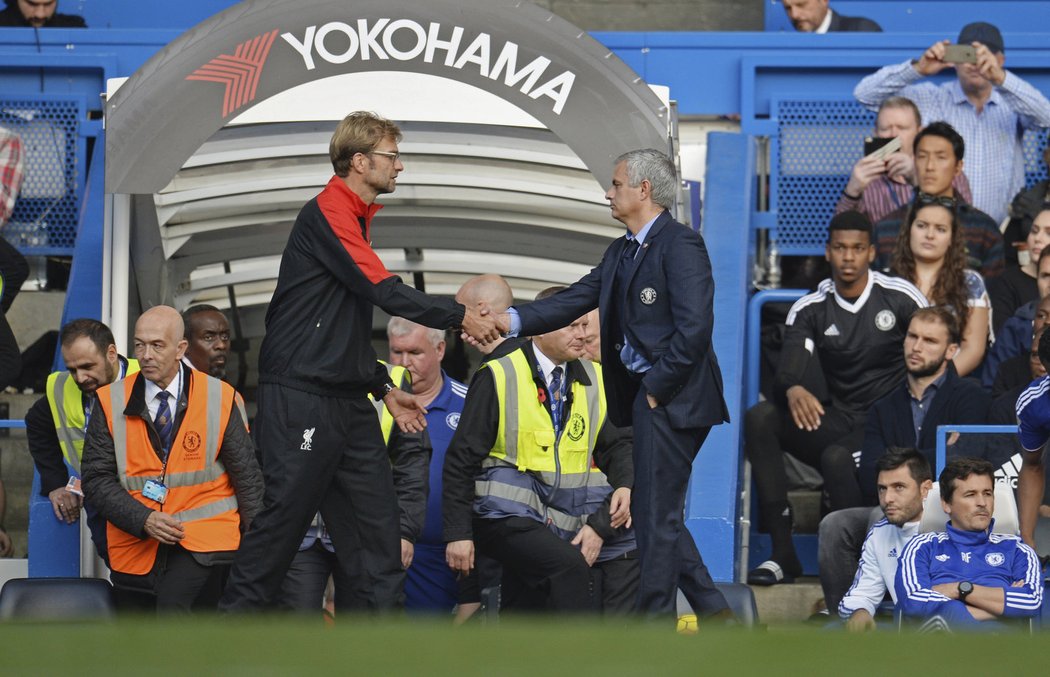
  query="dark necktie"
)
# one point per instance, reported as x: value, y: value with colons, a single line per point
x: 626, y: 265
x: 164, y: 423
x: 556, y: 399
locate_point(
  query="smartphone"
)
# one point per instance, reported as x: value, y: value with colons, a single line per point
x: 960, y: 54
x: 881, y: 148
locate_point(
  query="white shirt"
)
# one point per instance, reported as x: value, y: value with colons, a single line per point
x: 878, y: 567
x: 547, y: 366
x: 825, y: 24
x: 152, y: 389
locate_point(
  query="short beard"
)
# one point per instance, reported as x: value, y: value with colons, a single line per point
x: 927, y: 369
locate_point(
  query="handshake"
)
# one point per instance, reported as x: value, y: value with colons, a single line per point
x: 481, y: 326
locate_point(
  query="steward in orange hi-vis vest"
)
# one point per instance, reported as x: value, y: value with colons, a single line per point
x: 200, y: 493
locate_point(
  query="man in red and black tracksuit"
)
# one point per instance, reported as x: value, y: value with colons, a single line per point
x: 316, y: 432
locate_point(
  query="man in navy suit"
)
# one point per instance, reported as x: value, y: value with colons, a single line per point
x: 654, y: 291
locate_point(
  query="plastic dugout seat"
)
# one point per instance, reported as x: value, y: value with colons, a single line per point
x: 56, y: 599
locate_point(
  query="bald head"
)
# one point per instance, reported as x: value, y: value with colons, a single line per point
x: 490, y: 289
x: 159, y: 344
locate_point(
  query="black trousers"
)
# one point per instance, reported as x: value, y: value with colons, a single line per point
x: 538, y: 560
x: 663, y: 462
x: 327, y: 454
x: 303, y: 587
x: 177, y: 584
x: 615, y: 584
x: 769, y: 431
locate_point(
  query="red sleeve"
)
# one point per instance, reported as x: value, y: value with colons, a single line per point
x: 346, y: 227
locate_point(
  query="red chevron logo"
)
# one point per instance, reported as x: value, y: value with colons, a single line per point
x: 239, y: 72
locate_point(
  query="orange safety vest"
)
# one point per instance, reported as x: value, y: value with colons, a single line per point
x: 200, y: 493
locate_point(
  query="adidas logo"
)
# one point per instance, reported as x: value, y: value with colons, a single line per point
x: 831, y: 331
x: 893, y: 553
x: 1007, y: 472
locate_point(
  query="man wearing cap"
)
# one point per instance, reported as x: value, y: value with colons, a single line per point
x: 986, y: 103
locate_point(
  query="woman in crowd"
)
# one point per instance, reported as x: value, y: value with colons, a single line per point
x: 1016, y: 286
x: 931, y: 254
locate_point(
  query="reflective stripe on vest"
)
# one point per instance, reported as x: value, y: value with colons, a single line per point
x: 200, y: 493
x: 401, y: 377
x: 525, y: 451
x: 67, y: 411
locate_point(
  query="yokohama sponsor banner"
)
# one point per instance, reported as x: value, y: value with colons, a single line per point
x: 259, y: 48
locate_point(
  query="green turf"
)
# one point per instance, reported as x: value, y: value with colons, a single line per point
x: 260, y: 646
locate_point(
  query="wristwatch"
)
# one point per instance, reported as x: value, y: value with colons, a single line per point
x: 965, y: 588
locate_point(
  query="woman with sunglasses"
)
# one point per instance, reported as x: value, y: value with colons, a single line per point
x: 931, y: 254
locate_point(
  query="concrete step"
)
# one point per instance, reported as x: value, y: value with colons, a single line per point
x: 788, y: 602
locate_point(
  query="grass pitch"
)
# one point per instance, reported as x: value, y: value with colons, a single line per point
x: 259, y: 646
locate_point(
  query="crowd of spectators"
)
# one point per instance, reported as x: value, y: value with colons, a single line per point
x: 950, y: 221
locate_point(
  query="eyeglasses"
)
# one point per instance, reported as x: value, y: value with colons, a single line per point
x: 926, y: 199
x: 395, y: 156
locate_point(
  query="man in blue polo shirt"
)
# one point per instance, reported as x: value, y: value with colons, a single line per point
x: 430, y: 585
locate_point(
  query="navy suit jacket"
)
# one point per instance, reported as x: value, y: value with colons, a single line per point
x: 852, y: 24
x: 671, y: 327
x: 959, y: 401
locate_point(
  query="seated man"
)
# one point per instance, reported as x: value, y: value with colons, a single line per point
x: 904, y: 481
x: 38, y: 14
x: 1033, y: 431
x: 877, y: 186
x: 518, y: 476
x: 855, y: 323
x: 939, y: 153
x: 932, y: 395
x: 815, y: 16
x: 966, y: 574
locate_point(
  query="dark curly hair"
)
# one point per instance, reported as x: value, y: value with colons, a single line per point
x: 950, y: 286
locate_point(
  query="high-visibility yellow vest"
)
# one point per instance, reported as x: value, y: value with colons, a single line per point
x: 530, y: 473
x: 400, y: 377
x: 67, y: 411
x: 200, y: 493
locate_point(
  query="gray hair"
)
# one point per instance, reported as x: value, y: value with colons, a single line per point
x: 399, y: 326
x: 654, y: 166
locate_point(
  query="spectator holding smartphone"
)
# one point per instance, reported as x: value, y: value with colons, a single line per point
x: 880, y: 185
x: 986, y: 103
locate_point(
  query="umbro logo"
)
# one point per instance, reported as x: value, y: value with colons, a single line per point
x: 943, y: 558
x: 832, y: 331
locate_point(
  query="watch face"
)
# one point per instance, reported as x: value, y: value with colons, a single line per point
x: 965, y: 588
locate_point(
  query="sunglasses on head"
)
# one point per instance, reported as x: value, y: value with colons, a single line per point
x: 924, y: 199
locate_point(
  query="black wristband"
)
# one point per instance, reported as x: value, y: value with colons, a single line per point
x: 383, y: 390
x: 852, y: 197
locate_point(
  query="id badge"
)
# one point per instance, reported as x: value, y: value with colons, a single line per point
x: 155, y: 491
x: 73, y: 486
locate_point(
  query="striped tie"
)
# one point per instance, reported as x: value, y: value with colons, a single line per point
x: 556, y: 399
x: 164, y: 423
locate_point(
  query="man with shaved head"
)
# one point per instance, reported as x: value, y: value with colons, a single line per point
x: 490, y: 289
x: 170, y: 466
